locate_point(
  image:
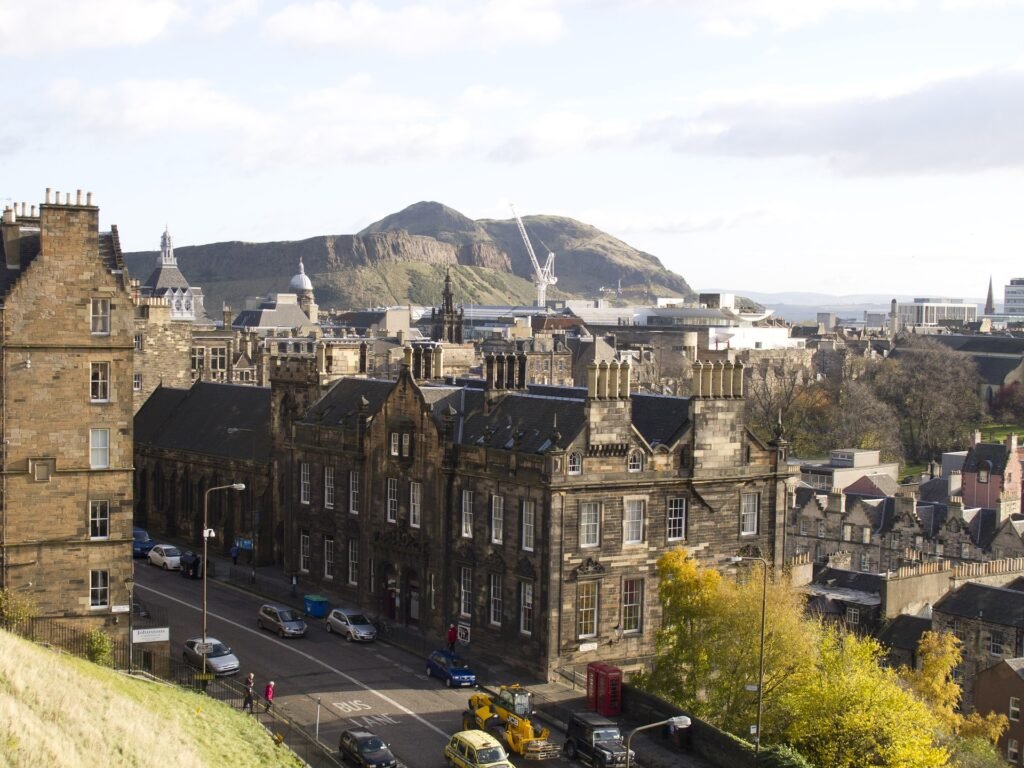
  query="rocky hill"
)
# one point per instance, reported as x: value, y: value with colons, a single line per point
x: 402, y: 259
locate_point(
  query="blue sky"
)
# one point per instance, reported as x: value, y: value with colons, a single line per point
x: 841, y: 146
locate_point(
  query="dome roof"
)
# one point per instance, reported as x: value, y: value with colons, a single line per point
x: 300, y: 282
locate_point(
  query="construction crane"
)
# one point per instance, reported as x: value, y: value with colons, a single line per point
x: 542, y: 276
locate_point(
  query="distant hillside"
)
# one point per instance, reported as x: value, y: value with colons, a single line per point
x: 59, y: 711
x: 403, y: 257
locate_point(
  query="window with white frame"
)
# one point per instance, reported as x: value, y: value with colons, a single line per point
x: 529, y: 515
x: 100, y: 317
x: 99, y: 589
x: 304, y: 483
x: 1014, y: 713
x: 590, y: 524
x: 633, y: 521
x: 676, y: 523
x: 198, y: 358
x: 852, y: 616
x: 304, y: 551
x: 847, y: 532
x: 821, y: 529
x: 865, y: 562
x: 328, y: 557
x: 495, y: 602
x: 635, y: 462
x: 803, y: 526
x: 353, y: 491
x: 415, y: 504
x: 392, y: 500
x: 526, y: 608
x: 136, y: 382
x: 99, y: 448
x: 99, y: 519
x: 575, y: 463
x: 940, y: 549
x: 965, y: 550
x: 137, y: 342
x: 394, y: 443
x: 353, y: 561
x: 329, y: 487
x: 1012, y: 750
x: 865, y: 535
x: 632, y: 604
x: 406, y: 444
x: 749, y: 507
x: 465, y: 591
x: 996, y: 643
x: 467, y: 514
x: 919, y: 542
x: 497, y: 519
x: 586, y: 609
x: 218, y: 358
x: 99, y: 382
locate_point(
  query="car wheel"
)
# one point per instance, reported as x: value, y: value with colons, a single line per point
x: 328, y: 627
x: 165, y: 566
x: 448, y: 682
x: 570, y: 750
x: 348, y: 636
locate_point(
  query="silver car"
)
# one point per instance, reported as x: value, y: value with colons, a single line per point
x: 219, y: 659
x: 284, y: 621
x: 351, y: 624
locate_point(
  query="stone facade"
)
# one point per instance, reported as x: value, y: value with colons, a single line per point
x: 162, y: 348
x: 66, y: 377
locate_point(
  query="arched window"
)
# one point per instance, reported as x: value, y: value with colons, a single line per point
x: 636, y: 462
x: 575, y: 463
x: 984, y: 470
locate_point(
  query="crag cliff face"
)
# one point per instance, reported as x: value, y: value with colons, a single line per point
x: 402, y: 259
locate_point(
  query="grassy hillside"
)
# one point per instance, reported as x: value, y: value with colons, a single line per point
x: 58, y: 711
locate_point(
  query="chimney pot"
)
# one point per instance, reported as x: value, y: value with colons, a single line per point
x: 88, y: 198
x: 78, y: 197
x: 47, y: 195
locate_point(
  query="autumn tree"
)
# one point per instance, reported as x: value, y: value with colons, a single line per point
x: 852, y: 416
x: 934, y: 393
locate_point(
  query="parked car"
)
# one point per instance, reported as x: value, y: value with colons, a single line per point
x: 366, y: 750
x: 352, y: 624
x: 141, y: 543
x: 284, y: 621
x: 475, y: 749
x: 220, y: 660
x: 450, y: 667
x: 595, y: 740
x: 192, y: 565
x: 166, y: 556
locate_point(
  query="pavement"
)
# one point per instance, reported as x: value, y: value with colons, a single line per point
x: 554, y: 700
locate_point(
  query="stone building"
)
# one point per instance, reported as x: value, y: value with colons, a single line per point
x: 531, y: 515
x: 66, y: 413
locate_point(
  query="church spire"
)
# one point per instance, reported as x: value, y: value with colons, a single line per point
x: 990, y: 304
x: 167, y: 249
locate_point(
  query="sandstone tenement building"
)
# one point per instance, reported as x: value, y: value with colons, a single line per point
x: 66, y: 337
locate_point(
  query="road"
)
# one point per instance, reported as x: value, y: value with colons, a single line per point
x: 375, y: 685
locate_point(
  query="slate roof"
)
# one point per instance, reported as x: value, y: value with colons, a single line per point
x: 165, y: 278
x: 277, y: 316
x: 526, y: 422
x: 904, y: 632
x: 934, y: 490
x: 994, y: 453
x: 983, y: 343
x: 661, y: 419
x: 339, y: 407
x: 859, y: 581
x: 996, y: 605
x: 197, y: 420
x: 872, y: 485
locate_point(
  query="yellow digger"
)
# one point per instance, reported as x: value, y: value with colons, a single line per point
x: 510, y: 715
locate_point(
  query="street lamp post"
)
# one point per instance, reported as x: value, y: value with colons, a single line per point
x: 679, y: 721
x: 206, y: 538
x: 130, y: 585
x: 760, y: 669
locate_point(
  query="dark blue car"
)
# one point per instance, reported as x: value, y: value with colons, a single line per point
x: 450, y: 667
x: 141, y: 543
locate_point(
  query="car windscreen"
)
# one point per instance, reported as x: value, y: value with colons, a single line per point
x: 140, y: 535
x: 457, y: 663
x: 357, y: 618
x: 219, y: 649
x: 288, y: 616
x: 607, y: 734
x: 490, y: 755
x: 171, y: 552
x: 371, y: 744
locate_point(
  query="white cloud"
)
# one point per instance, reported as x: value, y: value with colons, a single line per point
x: 43, y: 26
x: 742, y: 17
x: 562, y: 131
x: 484, y: 97
x: 216, y: 16
x: 416, y: 28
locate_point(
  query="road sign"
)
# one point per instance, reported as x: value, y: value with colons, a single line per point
x: 203, y: 648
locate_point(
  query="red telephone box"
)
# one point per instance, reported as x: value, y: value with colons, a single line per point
x: 604, y: 688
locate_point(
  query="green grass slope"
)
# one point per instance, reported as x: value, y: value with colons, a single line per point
x: 58, y: 710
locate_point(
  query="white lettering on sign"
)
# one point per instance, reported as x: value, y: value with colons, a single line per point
x: 351, y: 706
x: 151, y: 635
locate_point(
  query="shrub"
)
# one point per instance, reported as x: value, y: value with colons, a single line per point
x: 14, y: 609
x: 782, y: 756
x: 99, y: 648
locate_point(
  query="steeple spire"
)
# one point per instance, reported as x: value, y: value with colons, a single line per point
x: 166, y: 249
x: 990, y: 304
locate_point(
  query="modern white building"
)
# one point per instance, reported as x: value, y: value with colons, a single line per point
x: 933, y: 311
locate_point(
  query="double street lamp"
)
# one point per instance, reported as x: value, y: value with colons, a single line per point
x: 207, y: 534
x: 760, y: 670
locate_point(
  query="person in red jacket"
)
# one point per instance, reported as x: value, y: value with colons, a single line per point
x: 268, y: 694
x: 453, y: 637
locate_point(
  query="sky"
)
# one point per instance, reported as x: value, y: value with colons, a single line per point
x: 834, y: 146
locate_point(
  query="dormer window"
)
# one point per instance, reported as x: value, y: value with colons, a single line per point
x: 984, y: 470
x: 636, y: 462
x: 575, y: 463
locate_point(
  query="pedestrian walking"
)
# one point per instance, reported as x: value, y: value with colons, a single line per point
x: 453, y: 637
x: 234, y: 554
x: 268, y: 695
x: 250, y: 682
